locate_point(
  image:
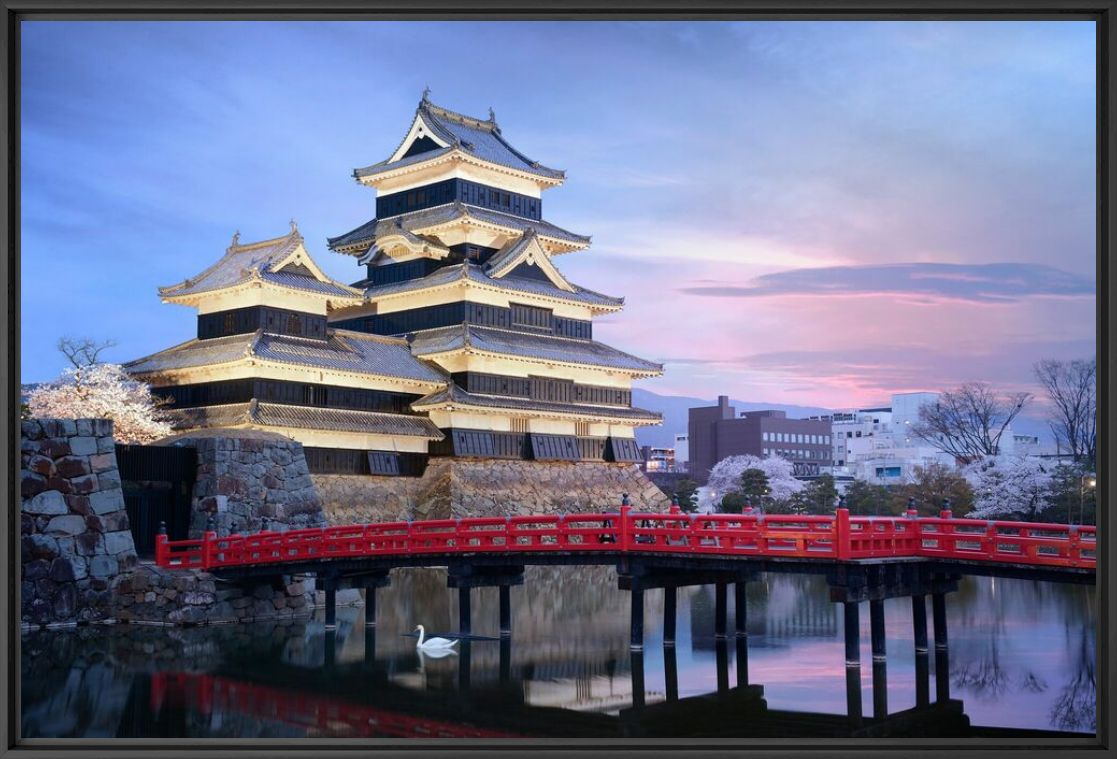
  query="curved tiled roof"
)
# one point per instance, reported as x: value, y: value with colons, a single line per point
x: 358, y: 240
x: 343, y: 350
x: 305, y: 417
x: 476, y: 137
x: 242, y: 263
x: 474, y: 273
x: 522, y: 345
x: 456, y: 395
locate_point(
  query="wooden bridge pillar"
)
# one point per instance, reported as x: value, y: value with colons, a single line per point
x: 505, y: 611
x: 465, y: 614
x: 505, y: 659
x: 671, y: 673
x: 370, y: 646
x: 740, y: 608
x: 329, y: 658
x: 720, y: 610
x: 721, y: 646
x: 853, y: 696
x: 852, y: 634
x: 876, y: 629
x: 938, y: 609
x: 637, y: 667
x: 670, y: 598
x: 942, y: 674
x: 922, y: 680
x: 742, y: 662
x: 636, y: 599
x: 880, y: 689
x: 329, y: 585
x: 919, y: 622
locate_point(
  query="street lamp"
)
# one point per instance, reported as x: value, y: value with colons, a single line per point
x: 1086, y: 481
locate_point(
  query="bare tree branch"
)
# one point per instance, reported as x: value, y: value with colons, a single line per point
x: 969, y: 421
x: 1071, y: 387
x: 82, y: 352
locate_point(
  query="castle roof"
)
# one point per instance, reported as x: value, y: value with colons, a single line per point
x: 257, y: 413
x: 447, y: 131
x: 343, y: 350
x: 280, y: 261
x: 454, y: 395
x: 448, y: 275
x: 357, y: 241
x: 467, y: 337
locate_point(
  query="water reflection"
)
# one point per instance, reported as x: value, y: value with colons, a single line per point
x: 1021, y: 657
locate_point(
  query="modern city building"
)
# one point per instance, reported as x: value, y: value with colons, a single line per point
x: 657, y: 459
x: 682, y: 452
x: 715, y: 432
x: 462, y: 339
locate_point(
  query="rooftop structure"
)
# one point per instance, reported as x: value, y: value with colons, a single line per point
x: 462, y: 339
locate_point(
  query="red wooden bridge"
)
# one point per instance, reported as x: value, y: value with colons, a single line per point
x: 838, y: 537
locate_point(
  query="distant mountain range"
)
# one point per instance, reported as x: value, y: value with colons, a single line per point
x: 675, y: 410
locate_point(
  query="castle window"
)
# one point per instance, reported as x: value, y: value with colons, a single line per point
x: 582, y: 429
x: 519, y: 424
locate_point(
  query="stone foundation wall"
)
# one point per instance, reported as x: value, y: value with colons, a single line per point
x: 453, y: 487
x: 153, y: 594
x: 75, y: 537
x: 251, y: 484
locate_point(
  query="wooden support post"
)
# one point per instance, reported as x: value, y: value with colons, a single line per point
x: 720, y: 610
x: 722, y: 649
x: 938, y: 610
x: 329, y: 585
x: 852, y: 634
x: 742, y: 661
x: 922, y: 679
x: 638, y: 689
x: 880, y: 689
x: 670, y: 596
x: 505, y: 659
x: 505, y: 611
x: 370, y: 605
x: 876, y: 629
x: 942, y: 674
x: 671, y: 673
x: 636, y: 599
x: 465, y: 616
x: 919, y: 622
x: 465, y: 664
x: 330, y: 656
x: 853, y: 696
x: 370, y: 647
x: 741, y: 610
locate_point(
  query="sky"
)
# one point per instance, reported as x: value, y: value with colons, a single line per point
x: 814, y: 213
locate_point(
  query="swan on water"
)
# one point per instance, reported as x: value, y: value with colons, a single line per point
x: 434, y: 644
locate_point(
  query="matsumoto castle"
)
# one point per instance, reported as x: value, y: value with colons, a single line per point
x: 463, y: 339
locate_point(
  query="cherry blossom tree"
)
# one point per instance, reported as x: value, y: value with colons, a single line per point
x: 725, y: 477
x: 102, y: 391
x: 1006, y: 486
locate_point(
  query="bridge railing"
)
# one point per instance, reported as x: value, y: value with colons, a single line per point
x: 836, y: 536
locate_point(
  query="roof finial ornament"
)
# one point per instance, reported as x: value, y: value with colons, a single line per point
x: 426, y: 94
x: 492, y: 115
x: 236, y: 238
x: 294, y: 226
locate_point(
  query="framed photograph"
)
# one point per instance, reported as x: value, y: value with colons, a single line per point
x: 394, y: 378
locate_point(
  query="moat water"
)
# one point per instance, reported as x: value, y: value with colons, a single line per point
x: 1021, y: 662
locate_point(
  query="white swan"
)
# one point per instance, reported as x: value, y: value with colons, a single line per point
x: 434, y: 644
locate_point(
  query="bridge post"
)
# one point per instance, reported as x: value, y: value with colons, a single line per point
x: 721, y: 648
x: 922, y: 680
x: 636, y: 600
x: 670, y: 598
x: 370, y: 606
x: 742, y: 661
x: 505, y: 611
x: 671, y: 674
x: 505, y: 659
x: 740, y: 607
x: 942, y: 674
x: 853, y: 696
x: 876, y: 628
x: 919, y: 622
x: 465, y: 615
x: 720, y: 610
x: 938, y: 609
x: 880, y: 689
x: 852, y: 634
x: 329, y: 585
x: 636, y: 661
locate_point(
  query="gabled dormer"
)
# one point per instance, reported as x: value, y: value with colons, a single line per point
x: 526, y: 258
x: 271, y: 285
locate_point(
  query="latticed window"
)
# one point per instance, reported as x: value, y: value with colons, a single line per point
x: 582, y: 429
x: 519, y: 424
x: 294, y: 324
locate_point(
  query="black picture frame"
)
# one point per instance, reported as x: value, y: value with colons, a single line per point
x: 14, y: 11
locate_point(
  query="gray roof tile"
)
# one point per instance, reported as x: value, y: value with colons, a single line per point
x: 544, y: 347
x: 366, y: 234
x: 479, y: 138
x: 305, y: 417
x: 457, y: 395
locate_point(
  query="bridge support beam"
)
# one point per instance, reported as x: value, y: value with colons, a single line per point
x: 505, y: 611
x: 721, y: 648
x: 876, y: 629
x: 938, y: 609
x: 942, y: 674
x: 740, y: 608
x: 329, y: 586
x: 670, y: 614
x: 880, y: 689
x: 922, y: 679
x: 636, y: 599
x: 465, y: 613
x: 671, y: 674
x: 720, y: 610
x: 919, y: 622
x: 852, y: 633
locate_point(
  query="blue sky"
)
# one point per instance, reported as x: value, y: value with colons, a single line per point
x: 799, y: 212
